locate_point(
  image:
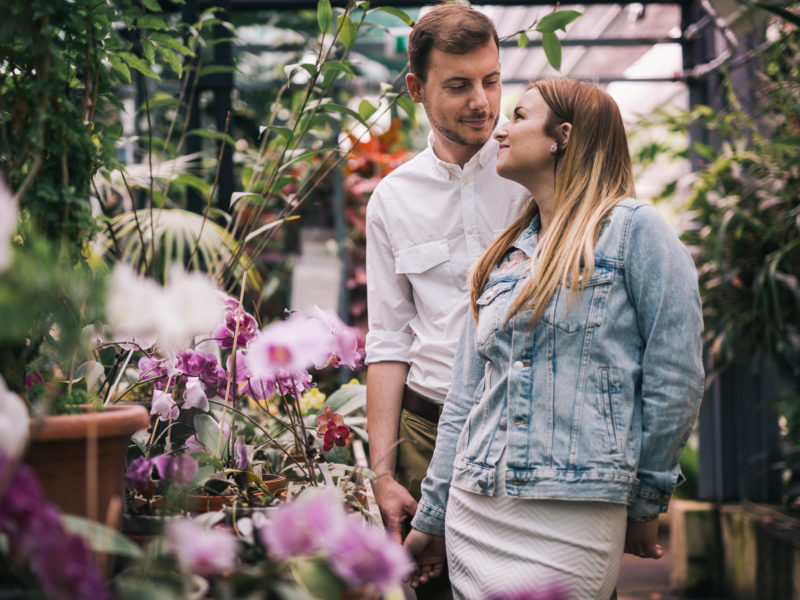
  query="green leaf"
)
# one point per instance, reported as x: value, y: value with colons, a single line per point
x: 348, y: 399
x: 366, y: 109
x: 170, y: 42
x: 792, y: 140
x: 149, y: 51
x: 235, y: 196
x: 102, y: 538
x: 705, y: 151
x: 285, y: 132
x: 209, y: 433
x: 338, y: 66
x: 397, y: 13
x: 523, y: 40
x: 552, y: 49
x: 280, y: 183
x: 213, y: 69
x: 214, y: 135
x: 152, y: 22
x: 347, y: 31
x: 263, y: 229
x: 324, y: 14
x: 172, y: 59
x: 152, y: 5
x: 315, y: 576
x: 120, y: 67
x: 344, y: 110
x: 557, y: 20
x: 195, y: 182
x: 409, y: 107
x: 139, y: 64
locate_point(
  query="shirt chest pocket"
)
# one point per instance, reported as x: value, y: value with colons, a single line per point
x: 493, y: 305
x: 429, y: 269
x: 588, y: 306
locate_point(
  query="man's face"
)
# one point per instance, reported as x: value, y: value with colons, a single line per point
x: 461, y: 96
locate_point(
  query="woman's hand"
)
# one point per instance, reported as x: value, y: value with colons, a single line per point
x: 428, y: 552
x: 640, y: 539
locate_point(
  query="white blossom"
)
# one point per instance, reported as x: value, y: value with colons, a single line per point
x: 8, y: 223
x: 188, y: 306
x: 14, y: 421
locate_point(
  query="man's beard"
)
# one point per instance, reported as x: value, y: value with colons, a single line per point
x: 459, y: 139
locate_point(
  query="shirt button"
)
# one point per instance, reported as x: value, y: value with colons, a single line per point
x: 470, y: 230
x: 466, y: 180
x: 518, y: 365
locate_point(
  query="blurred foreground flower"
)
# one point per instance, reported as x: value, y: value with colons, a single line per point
x: 61, y: 561
x: 316, y: 524
x: 200, y: 550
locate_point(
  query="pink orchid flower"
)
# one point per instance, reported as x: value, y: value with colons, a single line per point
x: 332, y: 430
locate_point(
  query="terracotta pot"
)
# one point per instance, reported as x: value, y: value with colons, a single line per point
x: 80, y: 459
x: 208, y: 503
x: 274, y: 482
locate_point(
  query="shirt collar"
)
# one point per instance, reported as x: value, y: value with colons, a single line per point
x: 529, y: 238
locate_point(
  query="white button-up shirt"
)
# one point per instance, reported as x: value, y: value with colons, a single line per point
x: 427, y: 223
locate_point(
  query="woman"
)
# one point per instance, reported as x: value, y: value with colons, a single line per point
x: 579, y: 378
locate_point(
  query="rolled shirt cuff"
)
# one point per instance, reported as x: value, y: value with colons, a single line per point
x: 384, y: 346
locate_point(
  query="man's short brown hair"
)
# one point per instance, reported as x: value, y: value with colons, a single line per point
x: 452, y: 28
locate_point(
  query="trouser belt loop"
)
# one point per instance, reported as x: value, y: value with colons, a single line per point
x: 421, y: 406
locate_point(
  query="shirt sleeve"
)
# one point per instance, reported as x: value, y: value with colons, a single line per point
x: 390, y: 303
x: 468, y: 372
x: 662, y: 282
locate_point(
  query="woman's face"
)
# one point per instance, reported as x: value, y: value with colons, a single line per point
x: 526, y: 151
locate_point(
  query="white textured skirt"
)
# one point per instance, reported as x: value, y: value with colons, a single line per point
x: 500, y: 545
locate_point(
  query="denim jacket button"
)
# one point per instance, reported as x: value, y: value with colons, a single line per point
x: 502, y: 425
x: 518, y: 365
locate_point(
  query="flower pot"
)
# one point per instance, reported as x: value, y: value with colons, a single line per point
x: 80, y: 459
x: 208, y: 503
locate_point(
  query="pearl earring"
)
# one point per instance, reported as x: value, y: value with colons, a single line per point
x: 553, y: 147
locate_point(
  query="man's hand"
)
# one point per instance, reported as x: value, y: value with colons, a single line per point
x: 428, y: 552
x: 640, y: 539
x: 396, y: 505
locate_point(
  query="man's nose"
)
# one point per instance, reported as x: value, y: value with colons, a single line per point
x: 478, y: 99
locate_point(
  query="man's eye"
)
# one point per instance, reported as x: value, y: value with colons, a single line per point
x: 456, y: 87
x: 491, y: 82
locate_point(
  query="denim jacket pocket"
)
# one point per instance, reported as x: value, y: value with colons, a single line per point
x: 587, y: 307
x: 607, y: 410
x: 427, y: 266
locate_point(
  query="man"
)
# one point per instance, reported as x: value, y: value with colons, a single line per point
x: 427, y: 222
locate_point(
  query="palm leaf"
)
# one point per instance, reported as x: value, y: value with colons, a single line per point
x: 171, y: 236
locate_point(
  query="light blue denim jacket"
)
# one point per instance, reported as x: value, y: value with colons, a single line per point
x: 594, y: 403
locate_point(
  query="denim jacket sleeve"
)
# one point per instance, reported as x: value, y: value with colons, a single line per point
x: 662, y: 283
x: 468, y: 371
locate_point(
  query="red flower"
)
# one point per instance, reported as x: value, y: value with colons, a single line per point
x: 332, y: 430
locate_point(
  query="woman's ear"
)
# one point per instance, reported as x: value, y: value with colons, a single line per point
x: 564, y: 130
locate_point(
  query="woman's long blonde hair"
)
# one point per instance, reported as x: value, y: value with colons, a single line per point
x: 592, y: 174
